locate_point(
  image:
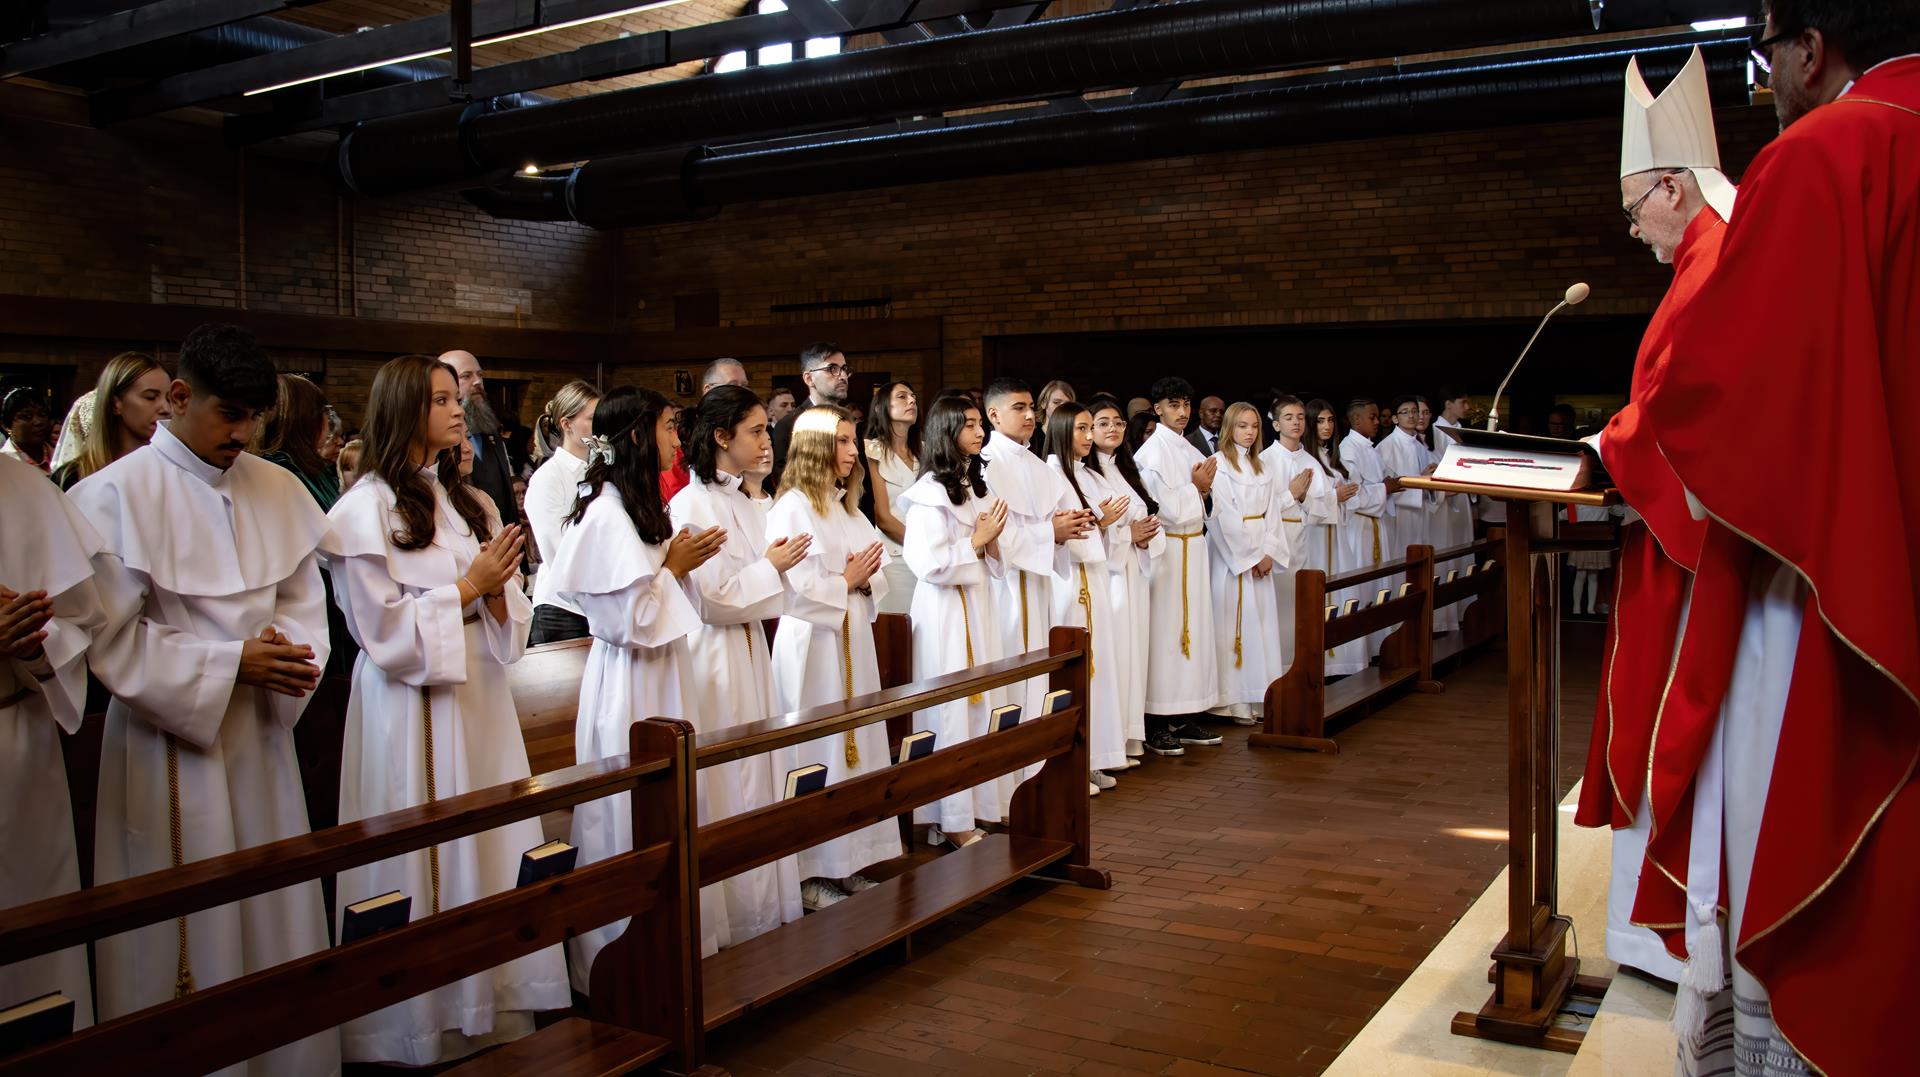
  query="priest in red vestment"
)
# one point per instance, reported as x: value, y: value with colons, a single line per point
x: 1782, y: 767
x: 1677, y: 202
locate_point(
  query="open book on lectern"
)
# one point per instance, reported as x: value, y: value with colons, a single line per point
x: 1524, y: 461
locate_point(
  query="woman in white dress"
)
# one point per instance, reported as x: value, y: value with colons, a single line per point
x: 893, y: 462
x: 1295, y: 470
x: 1243, y: 530
x: 722, y: 438
x: 621, y: 563
x: 823, y: 651
x: 560, y: 448
x: 1132, y: 544
x: 427, y: 581
x: 1350, y: 657
x: 952, y: 534
x: 1323, y: 433
x: 1086, y: 601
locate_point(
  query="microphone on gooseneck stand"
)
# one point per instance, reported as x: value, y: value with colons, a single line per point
x: 1576, y: 294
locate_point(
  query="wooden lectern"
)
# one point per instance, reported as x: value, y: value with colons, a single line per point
x: 1532, y: 974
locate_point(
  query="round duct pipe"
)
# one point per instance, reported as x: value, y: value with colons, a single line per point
x: 1141, y: 46
x: 629, y: 191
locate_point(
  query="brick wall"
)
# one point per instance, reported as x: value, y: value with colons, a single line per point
x: 1471, y: 225
x: 163, y: 212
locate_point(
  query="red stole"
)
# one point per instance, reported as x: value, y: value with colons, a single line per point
x: 1807, y: 339
x: 1656, y: 559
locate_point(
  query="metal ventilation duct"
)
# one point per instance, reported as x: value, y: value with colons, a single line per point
x: 683, y: 184
x: 1141, y: 46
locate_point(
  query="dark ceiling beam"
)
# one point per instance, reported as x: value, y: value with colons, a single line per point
x: 606, y: 59
x: 126, y: 29
x: 490, y: 18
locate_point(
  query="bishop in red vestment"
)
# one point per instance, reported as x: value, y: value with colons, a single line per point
x: 1677, y: 202
x: 1795, y: 700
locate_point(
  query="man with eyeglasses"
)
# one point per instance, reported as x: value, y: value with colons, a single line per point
x: 1677, y: 202
x: 827, y: 374
x: 1784, y: 760
x: 1405, y: 457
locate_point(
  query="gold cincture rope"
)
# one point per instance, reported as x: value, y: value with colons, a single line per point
x: 846, y: 677
x: 433, y: 851
x: 1185, y: 650
x: 183, y: 973
x: 966, y: 627
x: 1240, y: 599
x: 1086, y: 604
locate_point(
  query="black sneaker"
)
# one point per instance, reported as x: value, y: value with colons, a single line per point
x: 1195, y: 733
x: 1162, y: 742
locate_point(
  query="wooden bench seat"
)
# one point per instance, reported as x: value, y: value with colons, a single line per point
x: 1300, y: 703
x: 753, y: 974
x: 1362, y: 688
x: 573, y: 1047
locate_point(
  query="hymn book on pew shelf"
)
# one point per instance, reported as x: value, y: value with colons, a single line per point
x: 1056, y: 701
x: 1003, y: 718
x: 543, y: 862
x: 808, y: 779
x: 1407, y: 588
x: 1351, y: 605
x: 374, y: 915
x: 1381, y: 598
x: 34, y: 1022
x: 916, y: 746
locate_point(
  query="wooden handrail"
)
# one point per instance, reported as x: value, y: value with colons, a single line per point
x: 1485, y: 545
x: 99, y: 911
x: 1365, y: 575
x: 799, y: 727
x: 197, y: 1033
x: 743, y: 842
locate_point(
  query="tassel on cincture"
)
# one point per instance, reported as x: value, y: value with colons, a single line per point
x: 1704, y: 976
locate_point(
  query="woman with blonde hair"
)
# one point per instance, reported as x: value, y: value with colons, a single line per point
x: 823, y: 651
x: 1248, y: 546
x: 560, y: 436
x: 128, y: 403
x: 1052, y: 395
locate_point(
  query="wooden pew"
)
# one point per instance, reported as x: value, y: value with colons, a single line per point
x: 1047, y: 831
x: 1301, y: 703
x: 1484, y: 620
x: 646, y: 984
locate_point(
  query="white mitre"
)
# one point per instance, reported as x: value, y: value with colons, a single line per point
x: 1675, y: 130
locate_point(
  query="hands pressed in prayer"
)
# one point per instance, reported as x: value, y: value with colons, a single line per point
x: 1144, y: 530
x: 788, y: 552
x: 499, y: 560
x: 277, y: 664
x: 1071, y: 524
x: 1264, y: 569
x: 987, y: 527
x: 1346, y: 491
x: 861, y: 566
x: 1113, y: 510
x: 689, y: 550
x: 23, y: 619
x: 1203, y: 473
x: 1300, y: 485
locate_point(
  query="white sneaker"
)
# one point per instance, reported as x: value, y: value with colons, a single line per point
x: 1245, y: 719
x: 1093, y: 790
x: 1132, y: 762
x: 853, y: 884
x: 1102, y: 780
x: 817, y: 894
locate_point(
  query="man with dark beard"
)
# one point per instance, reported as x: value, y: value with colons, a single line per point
x: 491, y: 471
